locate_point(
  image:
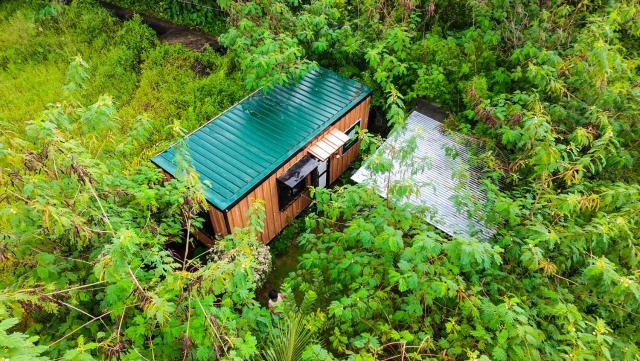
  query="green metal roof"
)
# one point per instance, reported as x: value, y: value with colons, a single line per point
x: 239, y: 148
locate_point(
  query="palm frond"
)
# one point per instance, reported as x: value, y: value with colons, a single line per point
x: 288, y: 339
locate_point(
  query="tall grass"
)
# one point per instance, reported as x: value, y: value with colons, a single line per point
x: 39, y: 39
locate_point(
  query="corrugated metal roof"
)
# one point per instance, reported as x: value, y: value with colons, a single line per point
x: 443, y: 181
x: 239, y: 148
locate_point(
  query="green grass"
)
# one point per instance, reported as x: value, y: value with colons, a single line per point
x: 38, y: 40
x: 285, y: 252
x: 25, y: 90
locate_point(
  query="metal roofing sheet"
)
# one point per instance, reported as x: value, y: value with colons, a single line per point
x: 442, y: 182
x: 239, y: 148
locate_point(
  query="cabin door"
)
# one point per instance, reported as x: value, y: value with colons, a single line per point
x: 323, y: 174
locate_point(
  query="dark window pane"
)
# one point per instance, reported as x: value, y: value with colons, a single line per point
x: 207, y: 226
x: 352, y: 132
x: 286, y: 194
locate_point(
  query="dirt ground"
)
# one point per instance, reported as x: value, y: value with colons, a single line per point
x: 170, y: 32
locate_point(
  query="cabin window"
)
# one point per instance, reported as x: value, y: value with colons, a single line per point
x: 352, y: 132
x: 207, y: 225
x: 294, y: 181
x: 287, y: 195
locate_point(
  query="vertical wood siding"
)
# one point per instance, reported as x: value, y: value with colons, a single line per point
x: 217, y: 219
x: 276, y: 220
x: 337, y: 165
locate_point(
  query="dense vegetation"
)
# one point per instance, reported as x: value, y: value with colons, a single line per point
x: 204, y: 15
x: 124, y: 61
x: 551, y: 87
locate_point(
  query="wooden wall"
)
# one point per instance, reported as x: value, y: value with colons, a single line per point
x: 339, y: 164
x: 217, y: 220
x: 275, y: 219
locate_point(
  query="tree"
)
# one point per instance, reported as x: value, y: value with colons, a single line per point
x: 552, y: 90
x: 85, y: 264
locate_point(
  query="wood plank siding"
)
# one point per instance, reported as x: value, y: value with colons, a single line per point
x: 276, y: 220
x: 217, y: 220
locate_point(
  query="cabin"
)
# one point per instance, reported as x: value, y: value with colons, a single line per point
x: 449, y: 178
x: 272, y: 146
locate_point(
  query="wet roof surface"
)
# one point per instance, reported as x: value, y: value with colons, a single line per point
x: 235, y: 151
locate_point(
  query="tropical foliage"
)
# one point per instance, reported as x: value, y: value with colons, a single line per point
x: 205, y: 15
x: 143, y: 77
x: 553, y: 90
x: 97, y: 258
x: 85, y: 245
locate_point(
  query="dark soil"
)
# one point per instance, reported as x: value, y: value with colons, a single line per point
x: 200, y: 68
x: 169, y: 32
x: 378, y: 121
x: 430, y: 109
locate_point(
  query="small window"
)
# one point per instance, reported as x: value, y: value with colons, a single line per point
x: 352, y: 132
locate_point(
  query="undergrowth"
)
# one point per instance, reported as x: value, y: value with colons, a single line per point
x: 203, y: 15
x: 38, y: 40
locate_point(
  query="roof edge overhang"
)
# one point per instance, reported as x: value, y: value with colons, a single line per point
x: 163, y: 164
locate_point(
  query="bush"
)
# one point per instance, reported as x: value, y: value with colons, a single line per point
x: 204, y: 15
x: 286, y: 239
x: 143, y: 76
